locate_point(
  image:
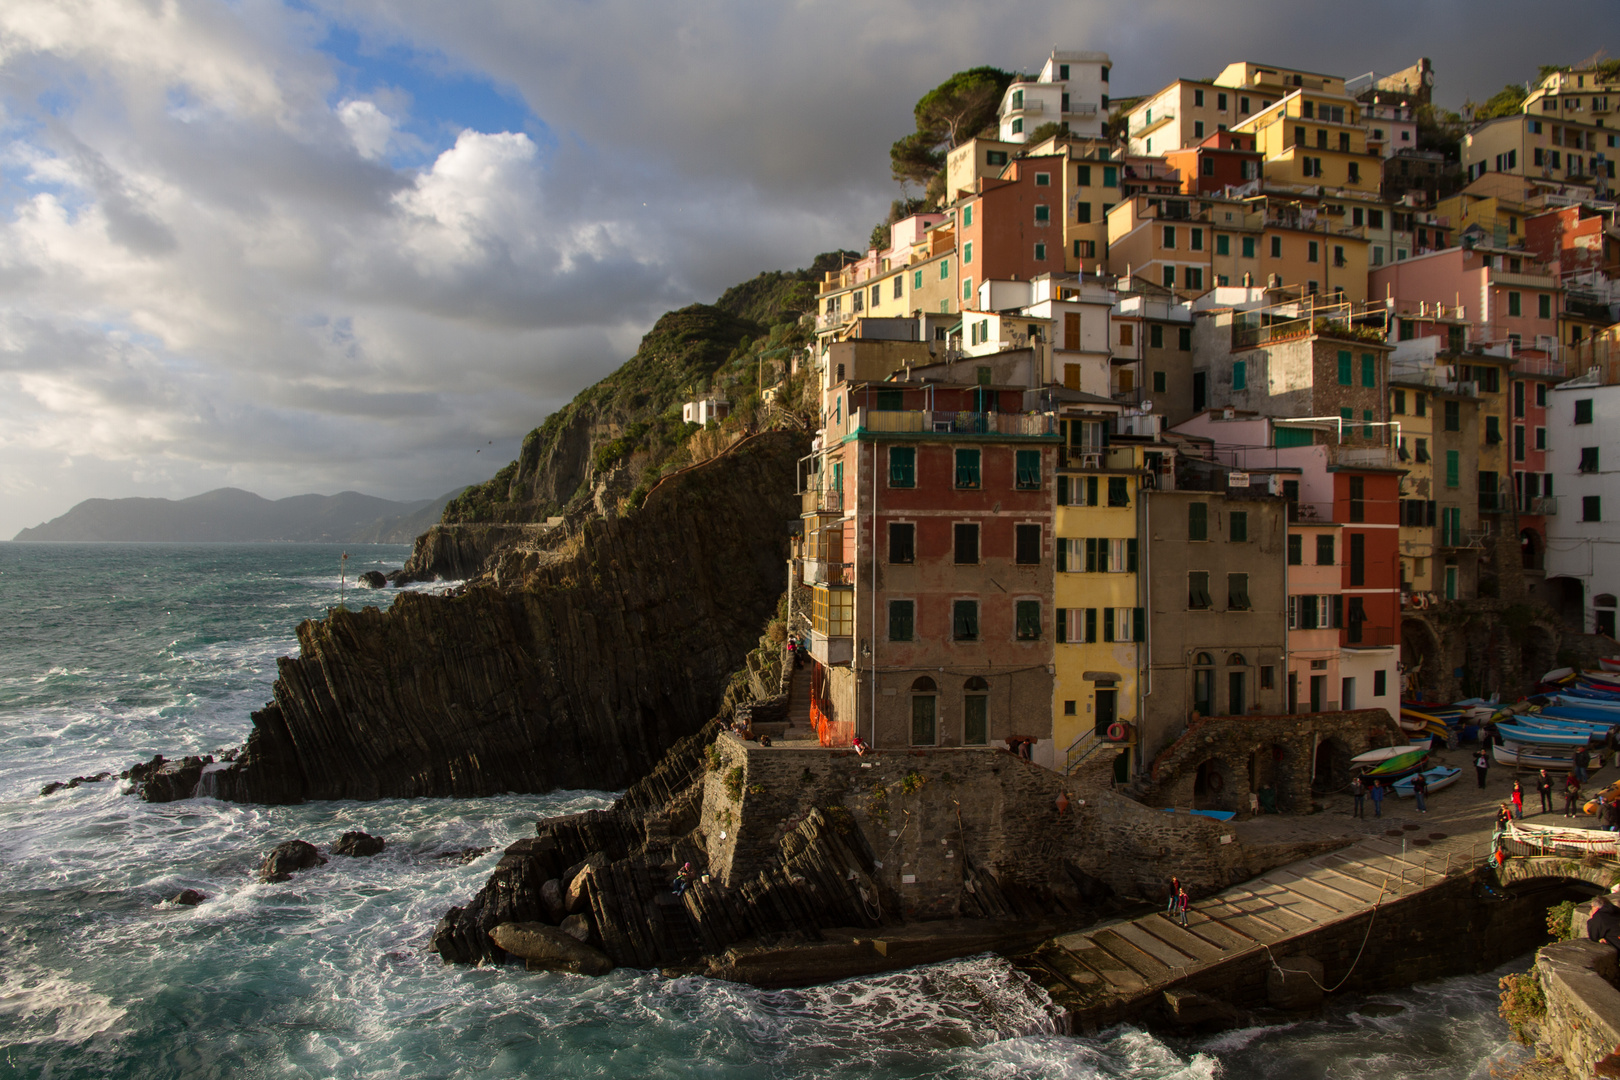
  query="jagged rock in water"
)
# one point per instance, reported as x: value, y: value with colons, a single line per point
x: 372, y: 579
x: 288, y: 858
x: 546, y: 948
x: 188, y: 898
x: 546, y: 672
x: 358, y: 844
x: 464, y: 855
x: 67, y: 785
x: 171, y: 780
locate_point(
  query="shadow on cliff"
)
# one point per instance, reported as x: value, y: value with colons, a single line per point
x: 576, y: 669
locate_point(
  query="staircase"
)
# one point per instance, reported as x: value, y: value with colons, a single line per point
x: 799, y: 726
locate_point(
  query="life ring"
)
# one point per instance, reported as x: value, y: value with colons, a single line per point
x: 1118, y: 732
x: 1213, y: 781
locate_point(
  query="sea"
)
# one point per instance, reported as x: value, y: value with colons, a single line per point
x: 112, y: 653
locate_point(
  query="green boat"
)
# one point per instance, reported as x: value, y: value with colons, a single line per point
x: 1399, y: 765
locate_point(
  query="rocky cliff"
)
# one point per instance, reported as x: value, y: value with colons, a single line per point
x: 573, y: 667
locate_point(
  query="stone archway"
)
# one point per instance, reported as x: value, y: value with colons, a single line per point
x: 1331, y: 770
x: 1567, y: 596
x: 1212, y: 785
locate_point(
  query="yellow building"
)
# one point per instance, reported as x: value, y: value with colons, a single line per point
x: 1314, y: 138
x: 1100, y: 610
x: 1551, y: 148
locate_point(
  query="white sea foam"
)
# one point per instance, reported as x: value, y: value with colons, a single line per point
x: 45, y: 1007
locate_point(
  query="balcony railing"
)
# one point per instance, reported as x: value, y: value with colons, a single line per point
x: 1156, y: 122
x: 820, y: 572
x: 834, y: 318
x: 1539, y: 505
x: 1310, y: 513
x: 1495, y: 503
x: 1371, y: 637
x: 954, y: 423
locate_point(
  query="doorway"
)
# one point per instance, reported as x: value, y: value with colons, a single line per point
x: 1107, y: 708
x: 975, y: 712
x: 1318, y: 692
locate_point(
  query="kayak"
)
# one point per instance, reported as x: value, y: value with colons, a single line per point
x: 1399, y: 765
x: 1438, y: 777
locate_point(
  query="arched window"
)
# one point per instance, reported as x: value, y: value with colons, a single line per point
x: 975, y: 712
x: 924, y: 713
x: 1236, y: 660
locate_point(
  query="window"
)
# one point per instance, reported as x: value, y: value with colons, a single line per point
x: 1344, y: 367
x: 1169, y: 277
x: 1354, y: 617
x: 1324, y: 549
x: 1110, y: 177
x: 965, y: 620
x: 1358, y: 558
x: 1028, y: 463
x: 1118, y: 492
x: 902, y: 466
x: 902, y: 620
x: 1028, y: 620
x: 1276, y: 247
x: 1198, y: 591
x: 1170, y: 237
x: 1043, y: 213
x: 1240, y: 375
x: 1237, y: 592
x: 1184, y: 337
x: 1220, y: 102
x: 1518, y: 442
x: 1296, y: 549
x: 1583, y: 411
x: 1513, y: 304
x: 1544, y: 306
x: 967, y: 253
x: 1159, y: 382
x: 967, y: 289
x: 1040, y: 252
x: 1198, y: 521
x: 1156, y: 335
x: 916, y: 280
x: 1248, y: 247
x: 1197, y: 239
x: 1083, y: 175
x: 1452, y: 469
x: 967, y: 468
x: 1589, y: 459
x: 1453, y: 419
x: 1398, y: 403
x: 1541, y: 438
x: 1591, y: 508
x: 1493, y: 429
x: 1083, y: 212
x: 1358, y: 498
x: 1369, y: 370
x: 967, y: 544
x: 1018, y: 126
x: 1311, y: 250
x: 1043, y: 179
x: 1420, y: 405
x: 902, y: 542
x: 1193, y: 277
x: 1027, y: 546
x: 1127, y: 334
x: 899, y: 286
x: 944, y: 270
x: 1223, y: 244
x: 1237, y: 523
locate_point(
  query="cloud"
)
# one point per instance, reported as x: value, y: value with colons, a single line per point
x: 345, y: 243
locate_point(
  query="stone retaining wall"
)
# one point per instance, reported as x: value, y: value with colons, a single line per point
x: 1582, y: 1026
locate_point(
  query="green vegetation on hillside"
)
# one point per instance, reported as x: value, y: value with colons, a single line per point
x: 956, y: 110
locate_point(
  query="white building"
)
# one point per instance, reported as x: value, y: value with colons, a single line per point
x: 1583, y: 537
x: 705, y: 409
x: 1071, y: 89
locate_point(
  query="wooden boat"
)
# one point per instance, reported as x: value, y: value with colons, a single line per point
x: 1596, y: 729
x: 1609, y: 663
x: 1543, y: 736
x: 1384, y: 753
x: 1529, y: 759
x: 1440, y: 776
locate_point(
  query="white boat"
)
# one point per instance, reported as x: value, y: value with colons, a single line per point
x: 1529, y: 759
x: 1384, y: 753
x: 1558, y: 673
x: 1438, y: 777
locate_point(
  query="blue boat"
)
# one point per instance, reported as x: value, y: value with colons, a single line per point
x: 1218, y: 815
x: 1531, y: 736
x: 1438, y: 777
x: 1567, y: 716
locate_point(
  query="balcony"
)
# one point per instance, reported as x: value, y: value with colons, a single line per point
x: 1084, y: 108
x: 1495, y: 502
x: 821, y: 502
x: 1539, y: 505
x: 1371, y: 637
x: 821, y: 572
x: 1310, y: 513
x: 925, y: 421
x: 1153, y: 124
x: 832, y: 624
x: 832, y: 319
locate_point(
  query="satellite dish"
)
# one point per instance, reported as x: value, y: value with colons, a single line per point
x: 1147, y: 406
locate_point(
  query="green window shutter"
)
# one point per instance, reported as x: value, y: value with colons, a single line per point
x: 902, y: 466
x: 1223, y: 244
x: 1287, y: 436
x: 1344, y: 367
x: 1130, y: 556
x: 1029, y: 620
x: 967, y: 468
x: 1029, y: 470
x: 1062, y: 626
x: 1118, y: 491
x: 1452, y: 470
x: 1108, y: 624
x: 1338, y: 611
x: 916, y: 279
x: 1240, y: 375
x: 901, y: 620
x: 1091, y: 555
x: 1091, y: 491
x: 1091, y: 624
x: 1197, y: 521
x: 1239, y: 520
x: 1138, y: 625
x: 944, y: 269
x: 1369, y: 370
x: 1063, y: 491
x: 1296, y: 549
x: 1366, y: 423
x: 891, y: 400
x: 1063, y: 556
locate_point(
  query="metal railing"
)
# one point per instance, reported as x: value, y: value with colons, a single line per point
x: 1500, y: 502
x: 1543, y: 505
x: 955, y: 423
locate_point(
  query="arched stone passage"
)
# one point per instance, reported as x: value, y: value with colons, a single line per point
x: 1212, y: 785
x: 1331, y: 770
x: 1549, y: 868
x: 1568, y: 597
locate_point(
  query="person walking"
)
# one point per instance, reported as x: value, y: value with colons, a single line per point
x: 1572, y: 795
x: 1420, y: 788
x: 1377, y: 794
x: 1582, y: 760
x: 1518, y: 800
x: 1175, y: 895
x: 1183, y: 902
x: 1482, y: 765
x: 1358, y: 791
x: 1544, y: 787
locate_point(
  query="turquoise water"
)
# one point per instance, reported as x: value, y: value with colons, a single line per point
x: 111, y: 653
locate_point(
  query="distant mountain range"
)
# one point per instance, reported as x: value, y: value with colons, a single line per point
x: 230, y: 515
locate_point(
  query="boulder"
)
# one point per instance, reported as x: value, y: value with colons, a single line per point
x: 166, y: 781
x: 464, y: 855
x: 546, y: 948
x: 358, y: 844
x: 1295, y: 982
x: 372, y: 579
x: 188, y: 898
x: 579, y: 927
x: 551, y: 895
x: 287, y: 859
x: 578, y: 896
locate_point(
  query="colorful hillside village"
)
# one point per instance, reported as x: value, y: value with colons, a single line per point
x: 1220, y: 416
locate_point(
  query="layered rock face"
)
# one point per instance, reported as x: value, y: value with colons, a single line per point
x: 559, y: 669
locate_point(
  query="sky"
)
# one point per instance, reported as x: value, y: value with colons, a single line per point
x: 333, y: 245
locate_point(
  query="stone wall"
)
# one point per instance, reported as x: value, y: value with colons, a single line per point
x: 1582, y: 1026
x: 1219, y: 761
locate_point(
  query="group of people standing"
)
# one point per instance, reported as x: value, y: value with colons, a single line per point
x: 1363, y: 788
